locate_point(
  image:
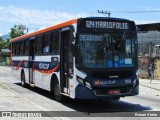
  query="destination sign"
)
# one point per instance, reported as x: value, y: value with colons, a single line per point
x: 89, y: 37
x: 107, y: 25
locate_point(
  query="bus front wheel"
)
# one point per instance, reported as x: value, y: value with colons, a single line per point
x: 57, y: 96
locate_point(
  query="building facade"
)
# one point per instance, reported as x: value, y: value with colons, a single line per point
x: 148, y: 38
x: 149, y: 49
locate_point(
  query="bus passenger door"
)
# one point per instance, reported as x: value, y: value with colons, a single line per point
x: 66, y: 61
x: 31, y: 58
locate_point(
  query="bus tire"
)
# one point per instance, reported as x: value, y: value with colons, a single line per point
x: 23, y: 83
x: 57, y: 96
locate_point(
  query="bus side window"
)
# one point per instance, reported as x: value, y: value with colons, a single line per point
x: 46, y: 48
x: 39, y: 45
x: 54, y: 42
x: 13, y: 49
x: 17, y: 48
x: 21, y: 48
x: 26, y: 45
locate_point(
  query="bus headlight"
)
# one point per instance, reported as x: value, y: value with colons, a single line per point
x: 135, y: 80
x: 80, y: 80
x: 137, y: 72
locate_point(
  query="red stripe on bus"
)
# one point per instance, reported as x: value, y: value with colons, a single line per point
x: 20, y: 64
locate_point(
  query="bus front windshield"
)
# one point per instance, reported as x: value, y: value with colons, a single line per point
x: 106, y: 50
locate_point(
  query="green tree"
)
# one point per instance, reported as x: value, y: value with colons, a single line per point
x: 16, y: 31
x: 1, y: 43
x: 1, y: 40
x: 2, y: 46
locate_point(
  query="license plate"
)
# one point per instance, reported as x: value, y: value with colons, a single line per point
x: 113, y: 92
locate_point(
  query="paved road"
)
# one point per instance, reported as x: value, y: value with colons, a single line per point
x: 41, y: 100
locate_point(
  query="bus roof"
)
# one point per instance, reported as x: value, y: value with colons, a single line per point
x: 45, y: 30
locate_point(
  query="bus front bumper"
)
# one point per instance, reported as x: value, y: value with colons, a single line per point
x: 82, y: 92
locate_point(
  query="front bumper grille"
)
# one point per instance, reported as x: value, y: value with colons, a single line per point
x: 107, y: 75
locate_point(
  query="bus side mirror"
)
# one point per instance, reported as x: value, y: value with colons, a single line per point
x: 73, y: 49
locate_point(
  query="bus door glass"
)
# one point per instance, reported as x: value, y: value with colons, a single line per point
x: 66, y: 61
x: 31, y: 58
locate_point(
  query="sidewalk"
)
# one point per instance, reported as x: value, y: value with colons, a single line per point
x: 7, y: 68
x: 155, y: 84
x: 11, y: 101
x: 15, y: 107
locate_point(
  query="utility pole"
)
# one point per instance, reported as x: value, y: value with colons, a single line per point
x: 105, y: 12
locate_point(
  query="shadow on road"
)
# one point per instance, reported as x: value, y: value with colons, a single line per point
x: 94, y: 106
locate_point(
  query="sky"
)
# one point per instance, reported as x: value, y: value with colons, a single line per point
x: 38, y: 14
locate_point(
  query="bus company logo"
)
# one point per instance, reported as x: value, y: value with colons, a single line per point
x: 97, y: 82
x: 43, y: 66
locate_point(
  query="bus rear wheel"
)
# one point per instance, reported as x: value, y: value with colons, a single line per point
x: 57, y: 96
x: 23, y: 83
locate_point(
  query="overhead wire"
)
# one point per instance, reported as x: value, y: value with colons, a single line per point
x: 145, y: 11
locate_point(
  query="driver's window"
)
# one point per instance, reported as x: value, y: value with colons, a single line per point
x: 128, y: 46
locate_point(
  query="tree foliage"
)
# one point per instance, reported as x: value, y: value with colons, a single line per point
x: 16, y: 31
x: 3, y: 45
x: 1, y: 40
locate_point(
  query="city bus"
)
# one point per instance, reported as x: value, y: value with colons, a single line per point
x: 92, y: 58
